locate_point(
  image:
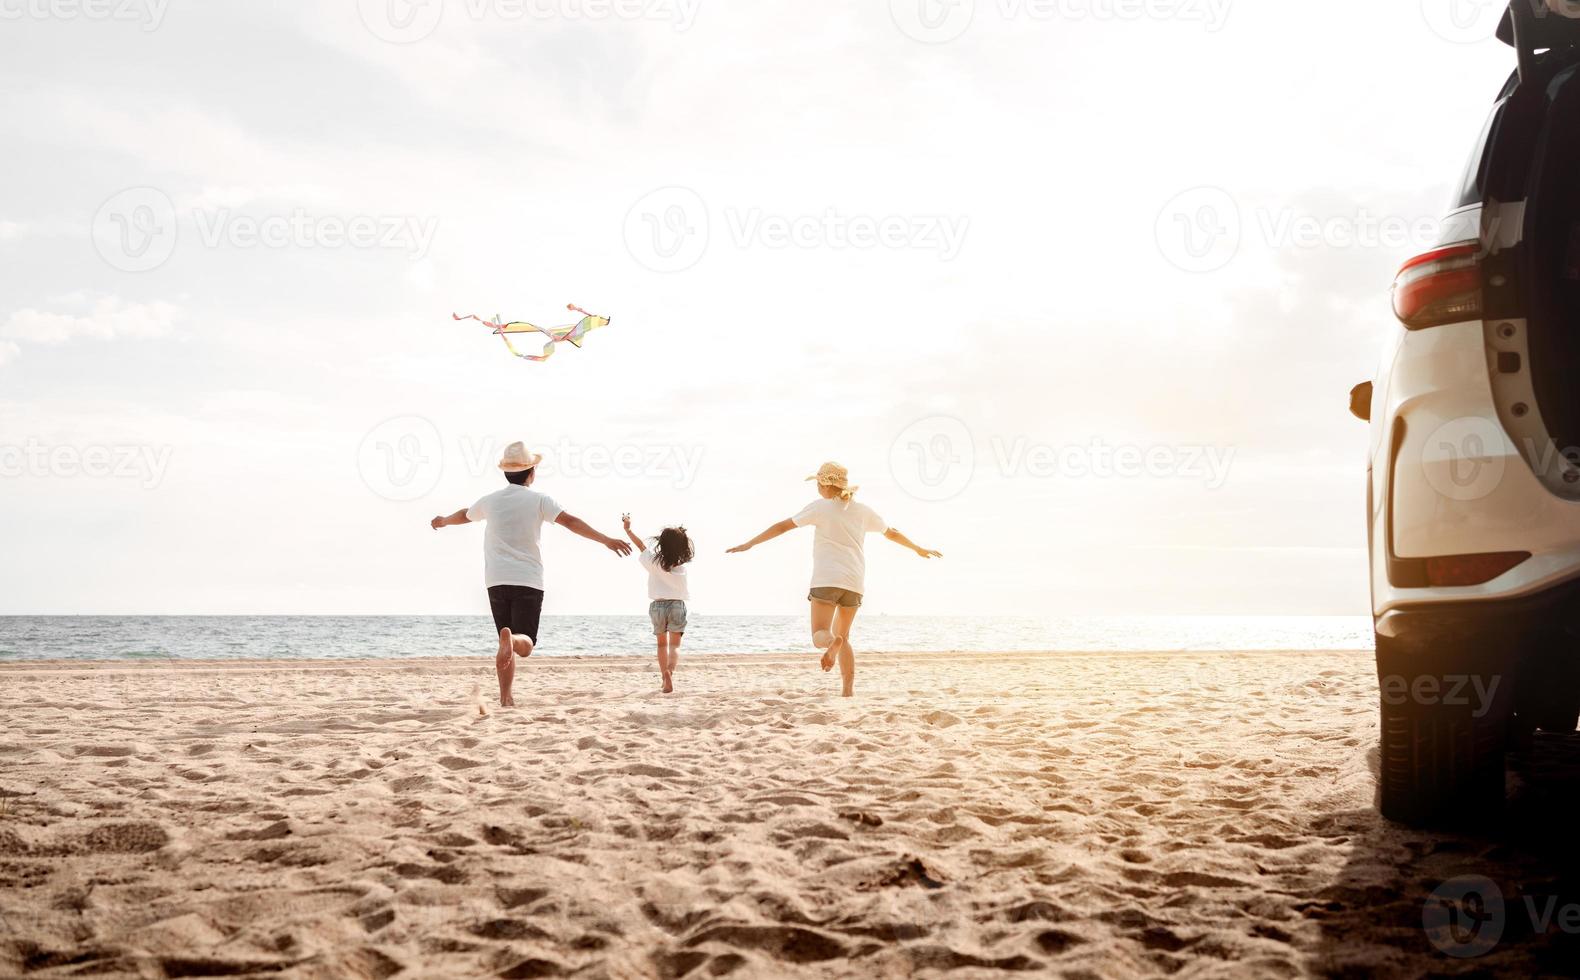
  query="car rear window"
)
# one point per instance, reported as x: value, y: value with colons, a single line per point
x: 1472, y: 186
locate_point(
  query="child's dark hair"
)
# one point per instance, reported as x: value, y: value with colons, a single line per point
x: 674, y: 548
x: 519, y: 479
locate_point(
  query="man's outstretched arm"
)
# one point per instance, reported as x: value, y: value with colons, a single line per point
x: 783, y: 527
x: 578, y: 526
x: 454, y: 520
x: 894, y: 535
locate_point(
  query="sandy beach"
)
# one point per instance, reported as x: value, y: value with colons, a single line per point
x: 1079, y: 815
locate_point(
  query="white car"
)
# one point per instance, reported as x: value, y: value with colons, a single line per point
x: 1474, y: 499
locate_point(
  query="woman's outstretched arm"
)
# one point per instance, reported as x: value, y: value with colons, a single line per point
x: 768, y: 535
x: 894, y: 535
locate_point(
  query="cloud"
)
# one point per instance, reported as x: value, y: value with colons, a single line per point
x: 111, y: 318
x: 8, y: 352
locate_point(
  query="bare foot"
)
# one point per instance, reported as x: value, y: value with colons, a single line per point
x: 831, y: 656
x: 505, y: 666
x: 669, y: 684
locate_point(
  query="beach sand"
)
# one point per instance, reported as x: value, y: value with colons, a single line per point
x: 1079, y: 815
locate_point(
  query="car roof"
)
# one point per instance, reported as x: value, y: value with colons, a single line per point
x: 1548, y: 29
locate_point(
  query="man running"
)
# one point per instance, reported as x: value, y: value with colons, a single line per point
x: 513, y: 562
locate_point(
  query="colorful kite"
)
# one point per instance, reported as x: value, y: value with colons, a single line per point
x: 571, y: 334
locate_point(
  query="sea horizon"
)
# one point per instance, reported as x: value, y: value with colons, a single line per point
x: 336, y: 637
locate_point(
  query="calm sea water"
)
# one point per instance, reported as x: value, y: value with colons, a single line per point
x: 330, y: 637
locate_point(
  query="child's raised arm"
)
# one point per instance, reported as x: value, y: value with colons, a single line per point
x: 640, y: 544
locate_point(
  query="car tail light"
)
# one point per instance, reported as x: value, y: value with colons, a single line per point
x: 1442, y: 286
x: 1460, y: 570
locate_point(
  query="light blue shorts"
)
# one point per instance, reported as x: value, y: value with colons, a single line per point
x: 668, y: 615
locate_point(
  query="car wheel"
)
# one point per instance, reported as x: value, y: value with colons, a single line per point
x: 1443, y: 736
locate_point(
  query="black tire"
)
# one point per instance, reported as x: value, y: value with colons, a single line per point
x: 1442, y: 760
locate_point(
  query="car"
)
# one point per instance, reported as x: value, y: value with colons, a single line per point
x: 1474, y: 464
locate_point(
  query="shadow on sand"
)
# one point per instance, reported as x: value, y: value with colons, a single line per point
x: 1373, y: 919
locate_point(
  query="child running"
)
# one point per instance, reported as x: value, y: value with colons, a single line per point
x: 839, y: 563
x: 666, y: 586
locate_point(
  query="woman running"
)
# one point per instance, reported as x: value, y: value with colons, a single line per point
x: 839, y: 564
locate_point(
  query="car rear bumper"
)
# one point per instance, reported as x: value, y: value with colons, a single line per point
x: 1505, y: 623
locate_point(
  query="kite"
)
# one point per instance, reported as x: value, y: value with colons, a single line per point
x: 571, y: 334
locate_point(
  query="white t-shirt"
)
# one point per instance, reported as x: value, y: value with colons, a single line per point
x: 515, y: 517
x: 838, y: 552
x: 662, y: 584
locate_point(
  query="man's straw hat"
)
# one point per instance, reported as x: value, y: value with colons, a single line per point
x: 518, y: 460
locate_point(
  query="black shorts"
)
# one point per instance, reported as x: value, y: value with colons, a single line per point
x: 518, y: 608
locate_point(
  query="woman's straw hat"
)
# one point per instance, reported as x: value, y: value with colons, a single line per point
x: 518, y: 460
x: 833, y: 475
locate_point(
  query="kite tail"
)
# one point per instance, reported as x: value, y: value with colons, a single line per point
x: 491, y: 324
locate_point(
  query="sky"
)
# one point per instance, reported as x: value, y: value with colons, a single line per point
x: 1076, y: 288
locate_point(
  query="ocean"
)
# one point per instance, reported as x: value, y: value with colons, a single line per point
x: 25, y: 638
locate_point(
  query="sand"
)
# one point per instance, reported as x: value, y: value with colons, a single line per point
x: 1077, y: 815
